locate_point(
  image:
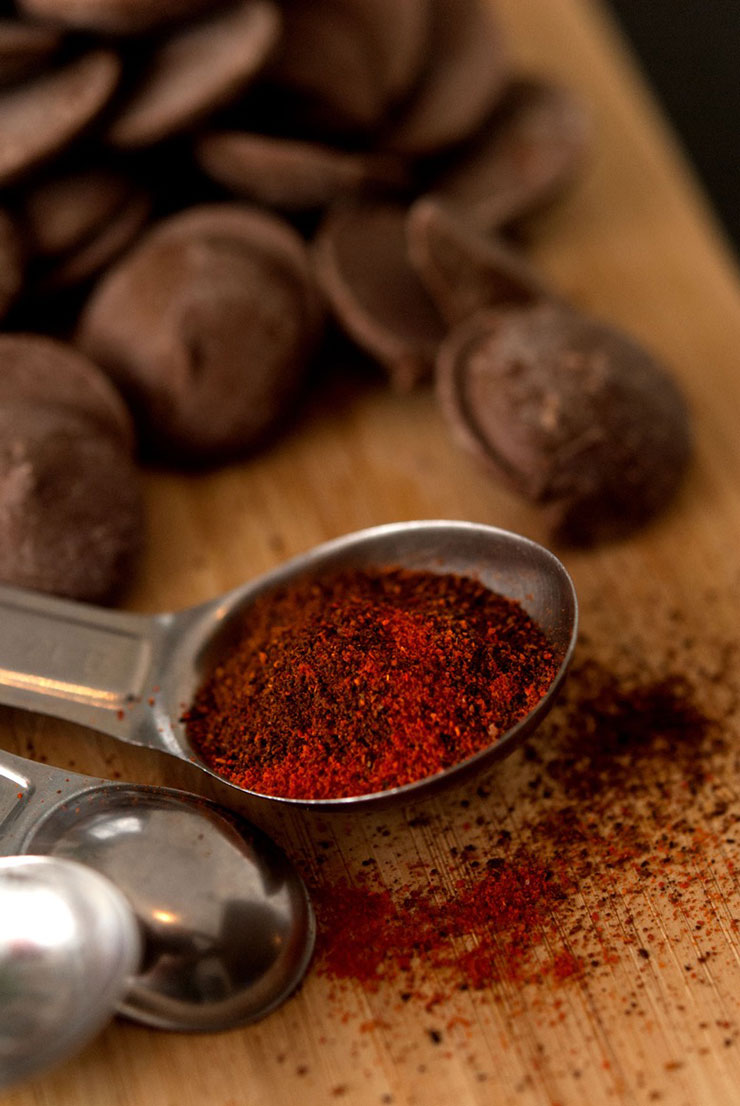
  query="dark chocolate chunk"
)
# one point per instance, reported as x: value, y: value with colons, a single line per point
x: 207, y: 327
x: 526, y: 155
x: 363, y: 267
x: 199, y: 68
x: 573, y: 414
x: 292, y: 175
x: 464, y: 270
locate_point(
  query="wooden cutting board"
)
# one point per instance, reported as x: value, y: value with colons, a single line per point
x: 626, y: 988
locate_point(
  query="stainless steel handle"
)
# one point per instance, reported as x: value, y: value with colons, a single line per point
x: 79, y: 662
x: 27, y: 790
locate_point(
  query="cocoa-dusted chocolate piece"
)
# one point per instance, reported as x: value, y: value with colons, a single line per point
x: 207, y: 327
x: 573, y: 414
x: 112, y: 17
x: 42, y: 116
x: 76, y: 223
x: 36, y: 371
x: 25, y: 48
x: 199, y: 68
x: 292, y: 175
x: 362, y: 264
x: 464, y: 270
x: 12, y: 262
x: 531, y: 150
x: 465, y: 76
x: 71, y: 518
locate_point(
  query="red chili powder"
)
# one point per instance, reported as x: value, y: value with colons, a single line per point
x: 478, y: 932
x: 607, y: 787
x: 366, y: 680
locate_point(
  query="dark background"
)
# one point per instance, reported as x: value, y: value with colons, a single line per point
x: 690, y: 53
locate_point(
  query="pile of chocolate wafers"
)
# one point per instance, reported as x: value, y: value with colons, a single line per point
x: 193, y: 195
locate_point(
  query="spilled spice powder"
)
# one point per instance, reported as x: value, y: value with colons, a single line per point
x: 471, y: 934
x: 615, y: 801
x: 366, y: 680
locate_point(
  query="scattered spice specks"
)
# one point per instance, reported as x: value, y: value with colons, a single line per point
x: 574, y: 866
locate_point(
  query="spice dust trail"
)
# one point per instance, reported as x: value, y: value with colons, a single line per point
x: 603, y: 856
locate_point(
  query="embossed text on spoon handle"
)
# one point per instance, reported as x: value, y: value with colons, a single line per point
x: 79, y: 662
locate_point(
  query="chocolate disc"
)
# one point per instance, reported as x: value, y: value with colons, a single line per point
x: 526, y: 155
x: 12, y: 262
x: 41, y: 117
x: 328, y: 68
x: 107, y: 243
x: 77, y: 223
x: 36, y: 371
x: 398, y: 34
x: 363, y: 267
x: 199, y: 68
x: 292, y: 175
x: 123, y: 17
x: 261, y: 232
x: 466, y: 72
x: 71, y: 516
x: 207, y: 326
x: 575, y: 415
x: 462, y: 269
x: 25, y: 48
x: 62, y: 212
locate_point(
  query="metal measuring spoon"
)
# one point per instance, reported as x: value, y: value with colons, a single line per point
x: 69, y: 944
x: 133, y: 675
x: 226, y: 924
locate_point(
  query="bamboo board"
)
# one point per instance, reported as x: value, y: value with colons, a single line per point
x: 654, y: 1016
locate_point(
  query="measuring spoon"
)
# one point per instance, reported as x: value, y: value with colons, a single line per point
x: 133, y: 675
x: 225, y: 921
x: 69, y: 945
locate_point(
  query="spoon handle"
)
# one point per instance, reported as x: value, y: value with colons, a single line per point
x: 27, y: 790
x: 79, y: 662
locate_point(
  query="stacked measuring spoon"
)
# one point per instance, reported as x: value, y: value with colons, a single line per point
x: 139, y: 900
x: 225, y: 923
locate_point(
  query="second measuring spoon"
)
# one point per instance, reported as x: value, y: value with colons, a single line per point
x: 69, y: 945
x: 227, y: 929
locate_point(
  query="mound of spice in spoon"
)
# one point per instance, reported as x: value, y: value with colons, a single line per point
x: 367, y: 680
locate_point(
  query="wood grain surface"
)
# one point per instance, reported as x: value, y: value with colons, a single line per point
x: 647, y: 919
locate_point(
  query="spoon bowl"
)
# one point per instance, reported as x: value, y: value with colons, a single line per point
x: 69, y: 945
x: 133, y: 676
x: 225, y: 922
